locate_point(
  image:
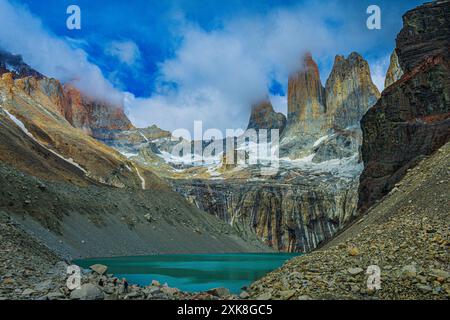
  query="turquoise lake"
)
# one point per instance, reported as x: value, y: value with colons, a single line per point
x: 193, y: 272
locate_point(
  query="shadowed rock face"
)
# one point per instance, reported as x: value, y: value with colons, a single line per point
x: 425, y: 33
x: 264, y: 117
x: 394, y: 72
x: 412, y: 118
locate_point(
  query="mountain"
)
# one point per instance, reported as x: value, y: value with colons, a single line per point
x: 405, y: 235
x: 394, y: 72
x: 264, y: 117
x: 313, y: 193
x: 315, y: 112
x: 80, y: 197
x: 349, y: 91
x: 412, y: 118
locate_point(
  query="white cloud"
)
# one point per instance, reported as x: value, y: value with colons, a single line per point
x: 125, y: 51
x: 22, y: 33
x: 215, y: 75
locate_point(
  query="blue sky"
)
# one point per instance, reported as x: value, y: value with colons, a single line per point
x: 179, y: 61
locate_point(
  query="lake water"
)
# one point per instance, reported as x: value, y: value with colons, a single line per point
x: 193, y: 272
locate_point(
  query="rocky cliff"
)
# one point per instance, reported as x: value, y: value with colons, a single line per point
x: 95, y: 117
x: 412, y: 117
x: 315, y: 112
x: 306, y: 120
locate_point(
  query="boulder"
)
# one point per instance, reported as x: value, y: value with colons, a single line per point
x: 99, y: 268
x: 87, y: 291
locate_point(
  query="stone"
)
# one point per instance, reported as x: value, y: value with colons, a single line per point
x: 99, y: 268
x: 355, y: 271
x: 155, y: 283
x: 219, y: 292
x: 169, y: 291
x: 304, y: 297
x: 409, y: 271
x: 87, y: 291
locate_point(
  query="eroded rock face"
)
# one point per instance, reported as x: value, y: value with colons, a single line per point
x: 425, y: 33
x: 412, y: 118
x: 350, y: 91
x: 264, y: 117
x: 291, y: 217
x: 394, y: 72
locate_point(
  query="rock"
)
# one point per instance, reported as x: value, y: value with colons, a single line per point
x: 219, y: 292
x: 416, y: 110
x: 169, y: 291
x: 156, y: 283
x: 28, y: 292
x: 56, y: 295
x: 409, y: 271
x: 424, y: 34
x: 44, y: 286
x: 264, y: 296
x: 424, y: 288
x: 287, y: 294
x: 355, y: 271
x: 264, y: 117
x: 244, y: 295
x: 439, y: 273
x: 304, y: 297
x: 394, y: 72
x: 87, y: 291
x: 99, y: 268
x: 349, y: 91
x: 353, y: 251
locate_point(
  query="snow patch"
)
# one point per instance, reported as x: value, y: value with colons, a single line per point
x: 28, y: 133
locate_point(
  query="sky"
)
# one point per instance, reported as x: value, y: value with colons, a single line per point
x: 173, y: 62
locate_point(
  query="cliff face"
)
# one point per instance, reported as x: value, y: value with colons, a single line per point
x: 349, y: 91
x: 286, y: 216
x: 264, y: 117
x: 412, y: 118
x: 394, y: 72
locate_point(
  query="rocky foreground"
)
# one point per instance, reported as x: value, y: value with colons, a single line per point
x: 406, y: 235
x: 30, y: 271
